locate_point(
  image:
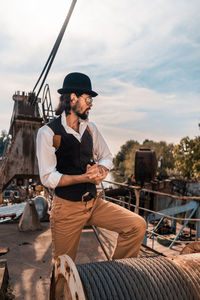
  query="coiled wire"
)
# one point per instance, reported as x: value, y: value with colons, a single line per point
x: 141, y: 279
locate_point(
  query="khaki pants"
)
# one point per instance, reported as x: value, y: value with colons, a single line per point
x: 68, y: 219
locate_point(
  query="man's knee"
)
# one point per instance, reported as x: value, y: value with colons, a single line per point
x: 139, y: 226
x: 143, y: 226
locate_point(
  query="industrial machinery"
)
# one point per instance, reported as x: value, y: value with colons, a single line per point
x: 145, y: 166
x: 19, y: 159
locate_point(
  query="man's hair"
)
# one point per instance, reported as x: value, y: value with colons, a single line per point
x: 64, y: 103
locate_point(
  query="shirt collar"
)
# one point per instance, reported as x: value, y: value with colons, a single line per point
x: 82, y: 126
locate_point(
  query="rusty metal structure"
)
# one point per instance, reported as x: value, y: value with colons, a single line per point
x: 19, y: 161
x: 19, y: 158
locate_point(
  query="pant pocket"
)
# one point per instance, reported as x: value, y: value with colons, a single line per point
x: 56, y: 208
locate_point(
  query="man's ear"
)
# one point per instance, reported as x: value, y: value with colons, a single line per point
x: 73, y: 97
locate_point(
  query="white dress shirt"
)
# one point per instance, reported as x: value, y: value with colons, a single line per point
x: 45, y: 151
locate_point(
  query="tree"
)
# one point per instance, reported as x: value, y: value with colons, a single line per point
x: 120, y: 158
x: 187, y: 157
x: 124, y: 161
x: 164, y: 154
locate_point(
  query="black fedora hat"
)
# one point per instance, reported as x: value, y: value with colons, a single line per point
x: 77, y: 82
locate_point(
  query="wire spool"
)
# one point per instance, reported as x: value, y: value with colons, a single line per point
x: 65, y: 281
x: 141, y: 279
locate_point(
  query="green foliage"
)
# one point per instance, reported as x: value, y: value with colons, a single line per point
x: 121, y: 157
x: 187, y: 157
x: 124, y: 161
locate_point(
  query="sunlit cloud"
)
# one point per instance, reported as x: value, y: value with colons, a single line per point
x: 142, y: 56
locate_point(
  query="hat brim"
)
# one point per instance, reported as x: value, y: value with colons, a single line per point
x: 74, y: 90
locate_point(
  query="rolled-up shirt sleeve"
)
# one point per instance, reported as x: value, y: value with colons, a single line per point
x: 102, y: 153
x: 47, y: 162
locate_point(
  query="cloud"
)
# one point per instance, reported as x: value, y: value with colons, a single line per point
x: 140, y: 113
x: 142, y: 56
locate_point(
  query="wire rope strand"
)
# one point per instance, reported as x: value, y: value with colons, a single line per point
x: 108, y: 284
x: 86, y: 282
x: 133, y: 281
x: 140, y: 279
x: 144, y: 289
x: 184, y: 286
x: 162, y: 293
x: 164, y: 284
x: 122, y: 281
x: 177, y: 283
x: 99, y: 284
x: 150, y: 282
x: 114, y: 277
x: 53, y: 52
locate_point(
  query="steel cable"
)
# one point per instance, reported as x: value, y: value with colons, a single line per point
x: 121, y: 278
x: 185, y: 289
x: 133, y: 282
x: 107, y: 282
x: 145, y: 279
x: 100, y: 291
x: 86, y: 280
x: 157, y: 292
x: 53, y: 53
x: 165, y: 282
x: 140, y: 278
x: 171, y: 273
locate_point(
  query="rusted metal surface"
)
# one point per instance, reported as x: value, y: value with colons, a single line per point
x: 66, y: 283
x: 20, y: 159
x: 189, y: 265
x: 193, y: 247
x: 29, y: 221
x: 145, y: 166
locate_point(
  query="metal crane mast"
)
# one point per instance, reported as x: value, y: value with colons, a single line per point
x: 19, y: 159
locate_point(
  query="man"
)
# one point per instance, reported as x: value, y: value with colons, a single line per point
x: 73, y: 157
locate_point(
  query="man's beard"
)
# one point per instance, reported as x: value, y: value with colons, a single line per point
x: 83, y: 115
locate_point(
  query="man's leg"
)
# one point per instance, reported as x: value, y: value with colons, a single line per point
x: 130, y: 226
x: 67, y: 221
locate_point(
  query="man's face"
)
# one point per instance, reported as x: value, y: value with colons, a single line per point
x: 81, y: 105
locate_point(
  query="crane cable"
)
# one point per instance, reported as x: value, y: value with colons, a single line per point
x: 53, y: 53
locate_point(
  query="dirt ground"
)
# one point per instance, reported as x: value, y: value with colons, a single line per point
x: 29, y: 258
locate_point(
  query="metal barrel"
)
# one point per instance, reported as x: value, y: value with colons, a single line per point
x: 127, y: 279
x: 145, y: 165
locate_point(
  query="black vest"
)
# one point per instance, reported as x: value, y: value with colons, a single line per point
x: 72, y: 159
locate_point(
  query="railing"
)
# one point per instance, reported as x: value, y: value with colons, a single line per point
x: 191, y: 208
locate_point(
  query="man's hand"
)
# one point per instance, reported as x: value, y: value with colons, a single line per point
x: 103, y: 170
x: 95, y: 174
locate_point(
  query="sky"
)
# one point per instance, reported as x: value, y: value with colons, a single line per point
x: 143, y: 58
